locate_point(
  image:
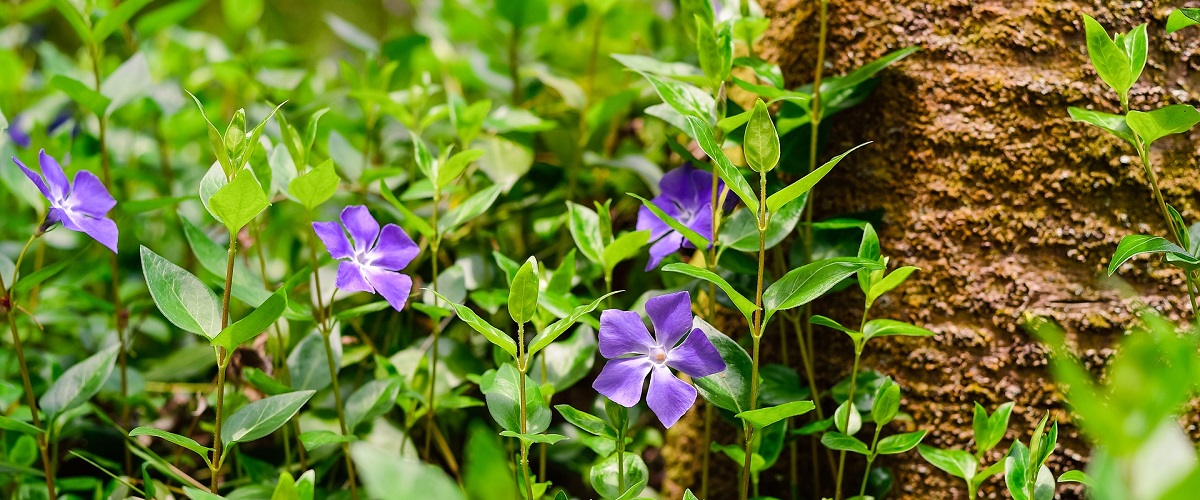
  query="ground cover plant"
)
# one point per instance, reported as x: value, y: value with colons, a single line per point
x: 467, y: 249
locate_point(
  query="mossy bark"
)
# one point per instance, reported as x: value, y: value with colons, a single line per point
x: 1008, y: 206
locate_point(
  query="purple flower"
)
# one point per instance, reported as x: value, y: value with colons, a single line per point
x: 686, y: 196
x: 633, y: 353
x: 372, y: 262
x: 80, y: 207
x: 19, y: 133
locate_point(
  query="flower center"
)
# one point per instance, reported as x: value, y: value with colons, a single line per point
x: 657, y: 355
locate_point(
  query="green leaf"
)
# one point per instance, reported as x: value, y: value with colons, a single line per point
x: 176, y: 439
x: 806, y: 183
x: 486, y: 474
x: 183, y: 298
x: 198, y: 494
x: 804, y: 284
x: 523, y: 292
x: 729, y: 389
x: 308, y: 363
x: 840, y: 442
x: 470, y: 208
x: 889, y: 282
x: 584, y: 225
x: 957, y: 463
x: 1177, y: 20
x: 1112, y: 64
x: 624, y: 247
x: 890, y: 327
x: 384, y: 475
x: 423, y: 158
x: 1076, y: 476
x: 685, y: 99
x: 79, y: 383
x: 371, y: 400
x: 1137, y: 244
x: 534, y: 438
x: 1115, y: 124
x: 692, y: 236
x: 742, y: 303
x: 253, y: 324
x: 763, y: 417
x: 762, y: 142
x: 216, y: 139
x: 410, y: 218
x: 524, y: 14
x: 239, y: 202
x: 847, y: 418
x: 1168, y: 120
x: 503, y: 401
x: 989, y: 430
x: 556, y: 329
x: 116, y: 17
x: 899, y: 443
x: 264, y: 382
x: 260, y: 418
x: 453, y: 167
x: 82, y: 94
x: 715, y: 52
x: 11, y: 424
x: 604, y: 476
x: 78, y: 20
x: 887, y: 403
x: 723, y: 167
x: 586, y: 421
x: 1016, y: 471
x: 493, y: 334
x: 315, y: 186
x: 170, y: 14
x: 316, y: 439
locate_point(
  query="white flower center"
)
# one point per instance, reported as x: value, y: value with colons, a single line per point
x: 657, y: 355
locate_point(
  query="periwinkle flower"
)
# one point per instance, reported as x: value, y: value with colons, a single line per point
x: 632, y: 354
x: 371, y: 259
x: 686, y: 196
x: 80, y: 206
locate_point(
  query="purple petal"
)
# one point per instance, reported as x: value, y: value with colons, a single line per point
x: 350, y: 278
x: 668, y: 245
x: 363, y: 228
x: 334, y: 238
x: 18, y: 132
x: 56, y: 180
x: 702, y: 187
x: 677, y: 185
x: 696, y: 356
x: 100, y: 229
x: 34, y: 177
x: 394, y: 250
x: 668, y: 396
x: 89, y: 196
x: 393, y: 286
x: 671, y: 315
x: 623, y: 332
x: 700, y: 223
x: 647, y: 220
x: 621, y: 380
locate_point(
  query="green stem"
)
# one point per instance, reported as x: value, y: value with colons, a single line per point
x: 862, y: 490
x: 29, y: 396
x: 621, y: 463
x: 514, y: 61
x: 757, y: 331
x: 337, y: 401
x: 841, y: 468
x: 222, y: 363
x: 1144, y: 154
x: 522, y: 367
x: 431, y: 397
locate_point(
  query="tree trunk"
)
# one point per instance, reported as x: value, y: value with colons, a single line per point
x: 1008, y: 206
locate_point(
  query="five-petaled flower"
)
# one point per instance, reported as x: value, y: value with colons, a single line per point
x: 632, y: 354
x: 80, y: 206
x: 686, y: 196
x: 372, y: 262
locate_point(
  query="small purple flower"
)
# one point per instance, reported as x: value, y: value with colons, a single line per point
x: 19, y: 133
x: 80, y: 207
x: 372, y: 262
x: 686, y: 196
x: 633, y: 353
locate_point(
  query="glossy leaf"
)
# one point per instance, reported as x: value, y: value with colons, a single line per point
x: 183, y: 298
x: 899, y: 443
x: 742, y: 303
x: 254, y: 323
x: 763, y: 417
x: 1115, y: 124
x: 804, y: 284
x: 373, y: 399
x: 1168, y: 120
x: 806, y: 183
x: 176, y: 439
x: 556, y: 329
x: 493, y: 334
x: 502, y: 393
x: 523, y: 292
x: 239, y: 201
x: 688, y: 233
x: 761, y: 143
x: 840, y: 442
x: 260, y: 418
x: 316, y: 186
x: 957, y: 463
x: 730, y: 389
x: 1137, y: 244
x: 79, y: 383
x: 721, y: 164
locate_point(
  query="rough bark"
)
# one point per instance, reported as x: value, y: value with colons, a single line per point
x: 1007, y: 206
